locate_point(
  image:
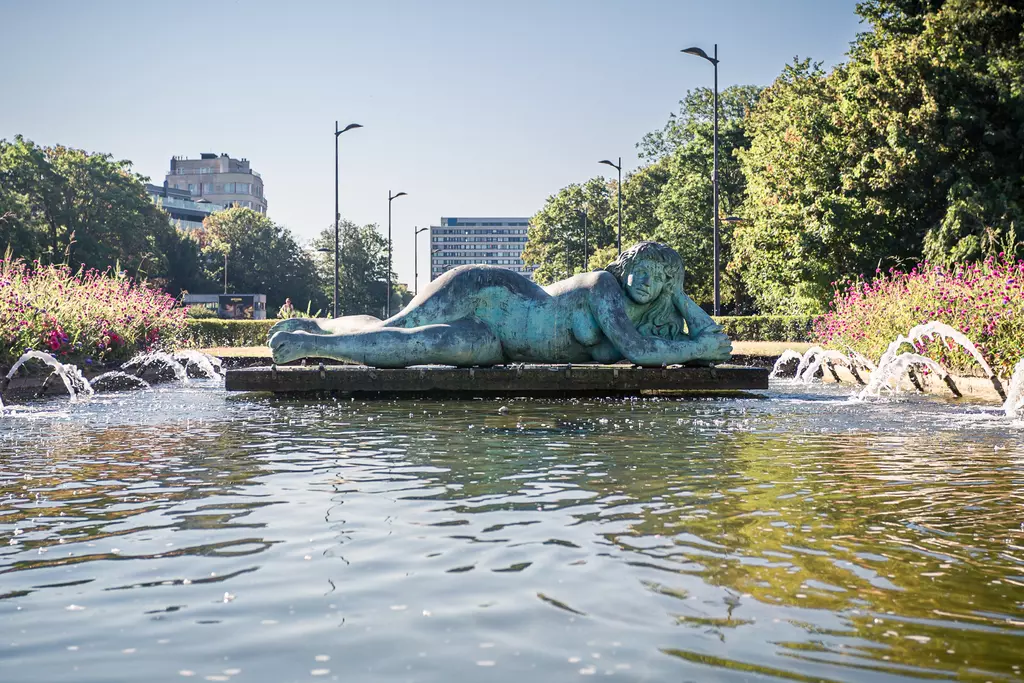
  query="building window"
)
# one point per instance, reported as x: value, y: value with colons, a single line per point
x: 229, y: 188
x: 192, y: 189
x: 208, y: 189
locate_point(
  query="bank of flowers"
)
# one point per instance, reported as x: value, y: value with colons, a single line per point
x: 84, y: 316
x: 985, y: 301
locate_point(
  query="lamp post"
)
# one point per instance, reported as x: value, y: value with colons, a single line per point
x: 586, y: 260
x: 391, y: 198
x: 617, y: 167
x: 415, y: 260
x: 337, y: 214
x: 225, y: 272
x: 697, y: 52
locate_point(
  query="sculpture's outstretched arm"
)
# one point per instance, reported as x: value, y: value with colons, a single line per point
x: 697, y: 321
x: 608, y: 308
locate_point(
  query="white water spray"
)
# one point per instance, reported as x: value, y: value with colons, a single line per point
x: 894, y: 369
x: 208, y: 365
x: 1015, y: 394
x: 145, y: 360
x: 787, y: 355
x: 116, y: 377
x: 72, y: 377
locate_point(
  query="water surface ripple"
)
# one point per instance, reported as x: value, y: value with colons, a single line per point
x: 184, y: 533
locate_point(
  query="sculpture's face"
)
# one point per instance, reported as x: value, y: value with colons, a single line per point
x: 645, y: 282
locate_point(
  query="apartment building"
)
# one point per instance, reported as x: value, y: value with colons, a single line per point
x: 495, y: 241
x: 185, y: 212
x: 219, y: 179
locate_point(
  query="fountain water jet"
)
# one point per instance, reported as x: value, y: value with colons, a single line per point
x: 116, y: 376
x: 895, y: 368
x: 209, y: 366
x: 787, y: 355
x: 72, y: 377
x: 1015, y: 394
x: 145, y: 360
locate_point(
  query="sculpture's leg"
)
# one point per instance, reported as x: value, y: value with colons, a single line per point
x: 346, y: 323
x: 464, y: 343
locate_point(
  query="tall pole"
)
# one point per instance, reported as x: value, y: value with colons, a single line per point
x: 618, y: 240
x: 225, y: 272
x: 586, y: 260
x: 337, y: 215
x: 415, y: 259
x: 715, y: 186
x: 337, y: 211
x: 388, y: 308
x: 391, y: 198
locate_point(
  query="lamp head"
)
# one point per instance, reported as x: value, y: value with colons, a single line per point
x: 396, y: 196
x: 419, y: 230
x: 697, y: 52
x: 348, y: 128
x: 609, y: 163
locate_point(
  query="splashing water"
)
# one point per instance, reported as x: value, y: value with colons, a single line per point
x: 1015, y: 395
x: 819, y: 359
x: 208, y: 365
x: 116, y: 377
x: 787, y: 355
x: 806, y: 359
x: 143, y: 361
x: 895, y: 369
x: 72, y: 377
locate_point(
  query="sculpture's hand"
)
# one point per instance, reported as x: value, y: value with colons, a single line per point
x: 697, y: 321
x: 288, y: 346
x: 714, y: 344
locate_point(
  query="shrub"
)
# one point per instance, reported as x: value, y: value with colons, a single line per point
x: 201, y: 313
x: 217, y: 332
x: 81, y: 316
x: 985, y: 301
x: 780, y: 328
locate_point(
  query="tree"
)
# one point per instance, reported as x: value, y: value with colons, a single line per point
x: 362, y: 270
x: 684, y: 157
x: 555, y: 236
x: 911, y: 149
x: 262, y: 257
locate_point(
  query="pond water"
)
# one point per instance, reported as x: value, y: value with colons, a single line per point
x: 184, y: 533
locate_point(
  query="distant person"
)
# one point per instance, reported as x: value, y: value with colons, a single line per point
x: 287, y: 310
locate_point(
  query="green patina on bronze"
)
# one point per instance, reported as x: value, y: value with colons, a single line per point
x: 634, y: 310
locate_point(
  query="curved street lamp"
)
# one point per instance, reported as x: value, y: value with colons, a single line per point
x: 697, y: 52
x: 337, y: 215
x: 391, y: 198
x: 415, y: 259
x: 617, y: 167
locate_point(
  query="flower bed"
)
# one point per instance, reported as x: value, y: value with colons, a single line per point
x: 84, y: 317
x: 985, y: 301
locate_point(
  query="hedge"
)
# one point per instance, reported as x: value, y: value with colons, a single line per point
x: 208, y: 332
x: 205, y: 333
x: 777, y: 328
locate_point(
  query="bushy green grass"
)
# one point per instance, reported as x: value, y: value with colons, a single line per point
x: 985, y: 301
x: 83, y: 316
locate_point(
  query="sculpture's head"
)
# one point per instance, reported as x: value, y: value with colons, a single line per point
x: 650, y: 273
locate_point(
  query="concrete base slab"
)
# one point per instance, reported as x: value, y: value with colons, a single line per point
x: 508, y: 380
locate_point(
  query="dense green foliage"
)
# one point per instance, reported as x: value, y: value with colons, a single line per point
x: 262, y: 257
x: 63, y: 205
x: 776, y: 328
x: 362, y: 270
x: 82, y: 316
x: 911, y: 149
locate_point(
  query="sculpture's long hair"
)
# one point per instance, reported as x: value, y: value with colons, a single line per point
x: 661, y: 319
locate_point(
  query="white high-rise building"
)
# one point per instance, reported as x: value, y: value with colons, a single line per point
x: 492, y: 241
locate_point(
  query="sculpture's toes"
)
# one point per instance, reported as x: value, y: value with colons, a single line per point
x: 287, y: 346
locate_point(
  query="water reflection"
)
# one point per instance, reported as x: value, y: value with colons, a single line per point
x: 804, y: 537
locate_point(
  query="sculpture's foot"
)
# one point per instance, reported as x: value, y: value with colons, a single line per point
x: 288, y: 346
x: 297, y: 325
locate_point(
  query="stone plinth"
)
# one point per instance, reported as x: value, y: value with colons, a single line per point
x: 510, y: 380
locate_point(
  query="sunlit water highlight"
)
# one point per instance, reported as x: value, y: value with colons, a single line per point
x: 185, y: 533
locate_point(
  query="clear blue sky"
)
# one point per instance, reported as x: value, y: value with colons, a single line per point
x: 473, y: 107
